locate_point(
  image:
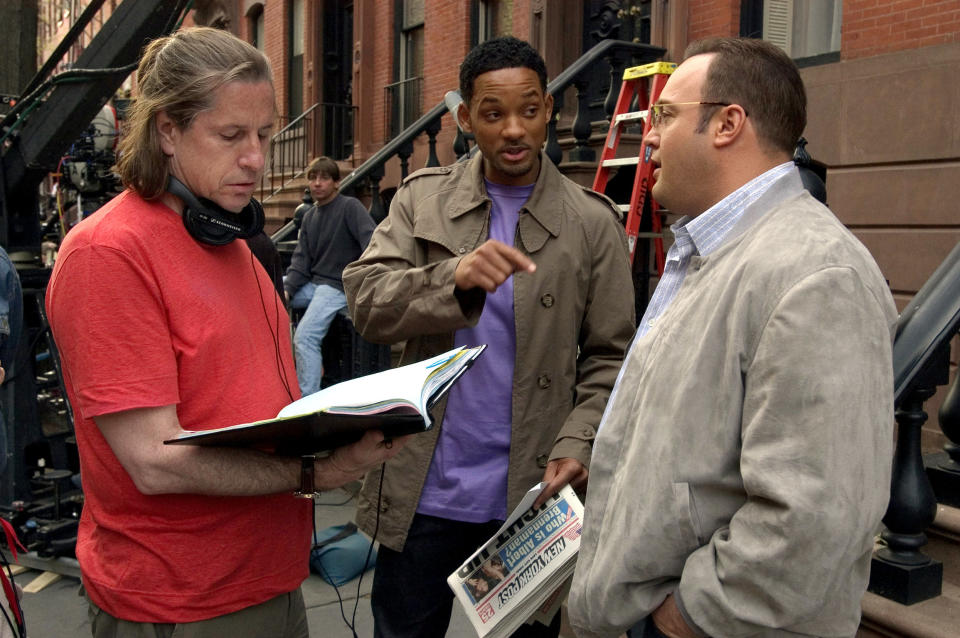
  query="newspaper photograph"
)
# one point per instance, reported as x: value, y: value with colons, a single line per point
x: 523, y: 567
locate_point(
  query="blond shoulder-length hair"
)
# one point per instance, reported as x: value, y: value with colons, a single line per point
x: 179, y: 74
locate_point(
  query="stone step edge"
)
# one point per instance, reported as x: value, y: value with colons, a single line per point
x: 929, y: 619
x: 926, y: 619
x: 947, y: 523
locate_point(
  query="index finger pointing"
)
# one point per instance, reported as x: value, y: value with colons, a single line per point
x: 517, y: 259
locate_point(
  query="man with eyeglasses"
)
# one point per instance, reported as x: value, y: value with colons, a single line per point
x: 743, y: 462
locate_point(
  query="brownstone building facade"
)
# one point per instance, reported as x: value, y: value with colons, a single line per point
x: 884, y: 102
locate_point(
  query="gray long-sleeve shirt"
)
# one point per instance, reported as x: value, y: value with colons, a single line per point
x: 331, y: 236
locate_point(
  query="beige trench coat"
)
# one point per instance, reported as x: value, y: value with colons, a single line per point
x: 574, y: 317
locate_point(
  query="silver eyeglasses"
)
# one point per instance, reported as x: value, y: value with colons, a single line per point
x: 656, y: 111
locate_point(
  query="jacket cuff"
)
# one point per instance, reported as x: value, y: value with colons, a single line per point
x: 686, y: 617
x: 568, y: 447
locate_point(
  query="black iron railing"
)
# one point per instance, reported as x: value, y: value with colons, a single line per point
x: 921, y: 362
x: 323, y: 129
x: 289, y: 152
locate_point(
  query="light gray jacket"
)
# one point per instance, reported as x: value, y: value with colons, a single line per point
x: 744, y: 463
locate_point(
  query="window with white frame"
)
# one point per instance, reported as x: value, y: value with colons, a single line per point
x: 803, y: 28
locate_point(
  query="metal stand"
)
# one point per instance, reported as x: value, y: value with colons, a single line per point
x: 62, y: 565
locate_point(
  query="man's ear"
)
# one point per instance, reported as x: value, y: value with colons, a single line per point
x: 463, y: 118
x: 167, y: 131
x: 548, y: 103
x: 728, y: 125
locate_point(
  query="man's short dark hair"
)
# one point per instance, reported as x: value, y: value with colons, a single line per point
x: 325, y: 166
x: 762, y: 79
x: 499, y: 53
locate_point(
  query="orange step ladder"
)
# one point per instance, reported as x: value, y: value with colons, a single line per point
x: 643, y: 83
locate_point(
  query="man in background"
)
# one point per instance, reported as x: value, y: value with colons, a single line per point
x: 333, y: 233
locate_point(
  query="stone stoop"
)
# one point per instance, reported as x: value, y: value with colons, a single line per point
x: 935, y: 618
x: 280, y: 207
x: 583, y: 172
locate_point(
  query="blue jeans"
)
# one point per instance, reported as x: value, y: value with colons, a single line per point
x: 411, y: 598
x: 322, y: 303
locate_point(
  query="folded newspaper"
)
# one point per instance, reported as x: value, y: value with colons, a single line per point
x: 519, y: 574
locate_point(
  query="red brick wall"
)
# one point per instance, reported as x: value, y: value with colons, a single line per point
x: 872, y: 27
x: 383, y: 48
x: 713, y: 18
x: 447, y: 37
x: 521, y: 20
x: 276, y: 38
x: 447, y: 40
x: 241, y: 28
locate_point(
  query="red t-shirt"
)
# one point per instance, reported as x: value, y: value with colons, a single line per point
x: 145, y: 316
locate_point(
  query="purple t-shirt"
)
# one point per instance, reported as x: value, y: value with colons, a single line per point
x: 467, y: 480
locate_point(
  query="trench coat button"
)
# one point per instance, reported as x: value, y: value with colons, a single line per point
x: 462, y: 250
x: 384, y: 505
x: 542, y: 461
x: 543, y: 381
x: 546, y: 300
x: 587, y: 432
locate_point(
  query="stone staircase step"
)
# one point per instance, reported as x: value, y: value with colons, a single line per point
x: 935, y: 618
x: 277, y: 208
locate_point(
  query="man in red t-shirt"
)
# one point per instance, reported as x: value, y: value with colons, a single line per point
x: 164, y: 323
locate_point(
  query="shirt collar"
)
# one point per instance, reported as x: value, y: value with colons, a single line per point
x: 708, y: 230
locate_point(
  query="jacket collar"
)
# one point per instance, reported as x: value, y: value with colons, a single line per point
x: 785, y: 187
x: 544, y: 204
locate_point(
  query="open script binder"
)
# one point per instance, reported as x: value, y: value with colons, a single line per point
x: 395, y: 401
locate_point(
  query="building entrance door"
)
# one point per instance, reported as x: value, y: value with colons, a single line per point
x: 337, y: 113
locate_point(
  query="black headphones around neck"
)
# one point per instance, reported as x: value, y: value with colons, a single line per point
x: 209, y: 223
